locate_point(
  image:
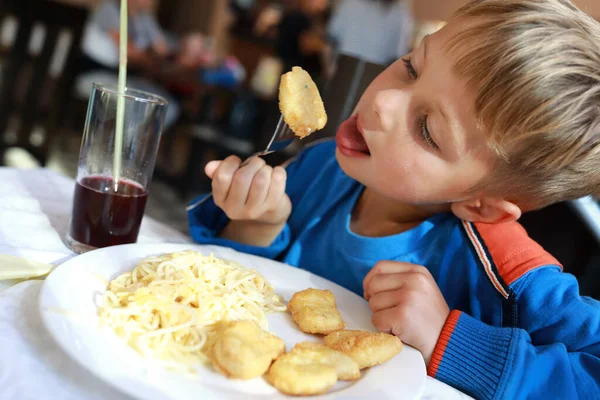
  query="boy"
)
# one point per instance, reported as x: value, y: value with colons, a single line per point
x: 496, y: 114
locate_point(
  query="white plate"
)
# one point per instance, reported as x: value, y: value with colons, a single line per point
x: 69, y: 312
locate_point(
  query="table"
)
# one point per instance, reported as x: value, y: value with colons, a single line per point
x: 34, y: 212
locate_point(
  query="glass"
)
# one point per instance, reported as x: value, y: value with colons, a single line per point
x: 104, y: 215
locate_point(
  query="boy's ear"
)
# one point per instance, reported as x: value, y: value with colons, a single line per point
x: 488, y: 210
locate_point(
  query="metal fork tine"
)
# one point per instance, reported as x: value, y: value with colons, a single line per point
x: 280, y: 139
x: 281, y: 127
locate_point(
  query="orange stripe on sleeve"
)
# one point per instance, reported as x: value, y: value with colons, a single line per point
x: 514, y: 253
x: 442, y: 343
x: 484, y: 259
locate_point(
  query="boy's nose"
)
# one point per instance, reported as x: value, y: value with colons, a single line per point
x: 391, y: 107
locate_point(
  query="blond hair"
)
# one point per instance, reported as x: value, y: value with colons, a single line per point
x: 535, y: 68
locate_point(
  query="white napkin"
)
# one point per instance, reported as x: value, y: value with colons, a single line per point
x: 32, y: 366
x: 34, y: 213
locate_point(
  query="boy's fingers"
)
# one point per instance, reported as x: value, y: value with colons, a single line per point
x: 259, y: 190
x: 388, y: 267
x: 211, y: 168
x: 384, y: 283
x: 384, y: 300
x: 240, y: 186
x: 222, y: 178
x: 276, y: 188
x: 386, y: 321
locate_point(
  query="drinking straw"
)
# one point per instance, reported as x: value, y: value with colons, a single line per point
x: 120, y: 95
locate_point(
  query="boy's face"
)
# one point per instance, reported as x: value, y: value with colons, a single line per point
x: 413, y: 136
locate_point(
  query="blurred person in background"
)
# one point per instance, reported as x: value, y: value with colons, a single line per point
x: 147, y: 43
x: 301, y: 39
x: 377, y: 31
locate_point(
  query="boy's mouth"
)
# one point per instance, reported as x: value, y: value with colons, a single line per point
x: 350, y: 140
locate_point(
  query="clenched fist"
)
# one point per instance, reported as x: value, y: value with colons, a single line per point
x: 407, y: 302
x: 254, y: 192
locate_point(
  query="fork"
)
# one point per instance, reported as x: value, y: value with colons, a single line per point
x: 282, y: 137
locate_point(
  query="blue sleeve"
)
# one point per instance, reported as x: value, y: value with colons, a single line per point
x: 555, y: 354
x: 303, y: 169
x: 207, y: 220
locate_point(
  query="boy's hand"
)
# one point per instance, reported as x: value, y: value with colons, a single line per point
x: 255, y: 192
x: 407, y: 302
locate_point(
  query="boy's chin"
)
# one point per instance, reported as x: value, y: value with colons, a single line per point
x: 350, y: 165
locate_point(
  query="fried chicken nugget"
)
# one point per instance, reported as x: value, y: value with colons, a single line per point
x: 366, y: 348
x: 242, y: 350
x: 300, y: 103
x: 299, y: 374
x: 315, y: 311
x: 347, y: 369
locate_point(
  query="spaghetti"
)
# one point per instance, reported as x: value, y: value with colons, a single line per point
x: 168, y: 306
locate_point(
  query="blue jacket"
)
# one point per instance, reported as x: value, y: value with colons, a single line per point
x: 518, y: 329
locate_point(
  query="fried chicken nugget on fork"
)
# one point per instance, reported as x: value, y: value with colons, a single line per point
x: 300, y: 103
x: 366, y: 348
x: 242, y: 350
x: 315, y: 311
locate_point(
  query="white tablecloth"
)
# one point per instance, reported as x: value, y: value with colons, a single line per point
x: 34, y: 212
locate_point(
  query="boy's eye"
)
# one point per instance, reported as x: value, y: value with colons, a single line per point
x: 425, y: 134
x: 423, y: 129
x: 409, y: 67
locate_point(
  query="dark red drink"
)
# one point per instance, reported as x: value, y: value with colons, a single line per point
x: 102, y: 217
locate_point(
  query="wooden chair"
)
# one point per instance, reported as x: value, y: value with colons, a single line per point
x: 31, y: 91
